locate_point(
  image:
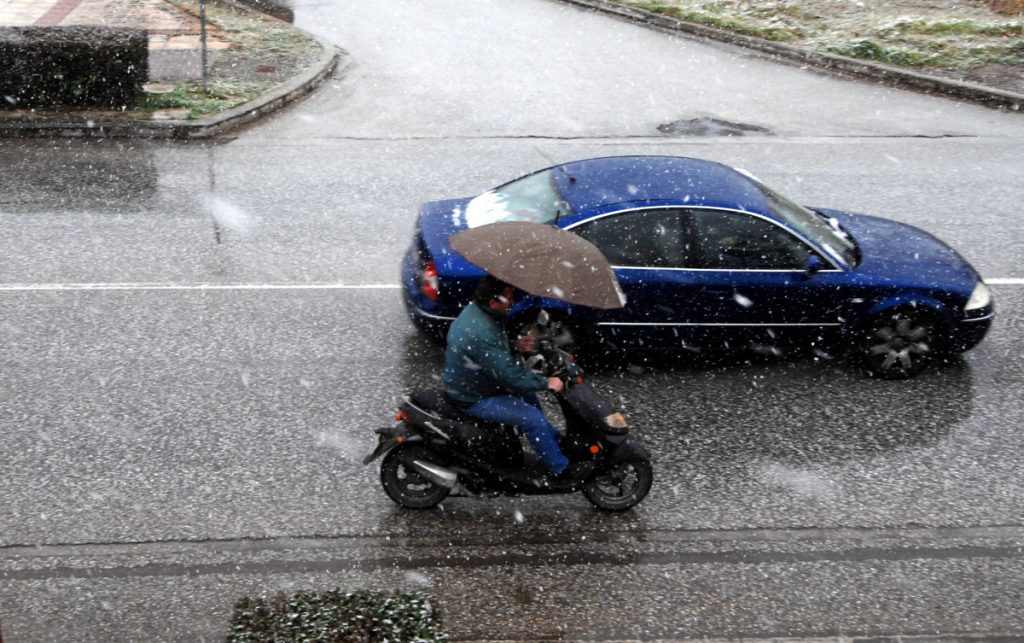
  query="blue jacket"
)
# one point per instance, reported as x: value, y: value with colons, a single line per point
x: 478, y: 362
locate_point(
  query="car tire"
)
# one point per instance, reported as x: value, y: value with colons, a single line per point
x: 562, y: 332
x: 591, y: 353
x: 900, y: 344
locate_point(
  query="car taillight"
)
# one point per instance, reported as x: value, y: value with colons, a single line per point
x: 428, y: 281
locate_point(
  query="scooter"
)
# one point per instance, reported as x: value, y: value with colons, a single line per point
x: 435, y: 449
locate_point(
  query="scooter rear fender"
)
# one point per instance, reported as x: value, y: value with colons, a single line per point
x: 390, y: 437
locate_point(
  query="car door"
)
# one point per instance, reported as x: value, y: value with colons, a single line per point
x: 665, y: 302
x: 758, y: 270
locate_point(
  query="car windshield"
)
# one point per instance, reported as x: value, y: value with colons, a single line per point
x: 533, y: 198
x: 822, y: 231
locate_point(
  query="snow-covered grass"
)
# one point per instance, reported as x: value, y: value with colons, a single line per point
x: 218, y: 96
x: 950, y: 34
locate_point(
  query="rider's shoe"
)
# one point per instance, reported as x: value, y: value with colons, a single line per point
x: 577, y: 471
x: 573, y: 474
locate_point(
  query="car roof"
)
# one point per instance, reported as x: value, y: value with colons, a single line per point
x: 611, y: 183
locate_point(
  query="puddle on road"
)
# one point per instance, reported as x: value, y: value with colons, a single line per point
x: 708, y: 126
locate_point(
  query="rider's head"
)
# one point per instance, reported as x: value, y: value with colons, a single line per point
x: 494, y: 294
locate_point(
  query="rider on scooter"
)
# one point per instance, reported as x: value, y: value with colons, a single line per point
x: 483, y: 377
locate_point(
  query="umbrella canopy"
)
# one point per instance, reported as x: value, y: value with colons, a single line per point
x: 544, y: 261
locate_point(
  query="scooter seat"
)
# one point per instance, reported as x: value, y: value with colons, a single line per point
x: 490, y: 441
x: 436, y: 402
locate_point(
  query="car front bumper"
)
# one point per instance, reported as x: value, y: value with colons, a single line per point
x: 971, y: 330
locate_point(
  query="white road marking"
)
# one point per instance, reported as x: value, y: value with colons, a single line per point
x: 158, y: 286
x: 994, y: 281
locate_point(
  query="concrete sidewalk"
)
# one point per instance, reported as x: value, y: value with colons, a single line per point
x: 175, y: 57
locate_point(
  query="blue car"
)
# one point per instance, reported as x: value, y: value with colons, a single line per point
x: 711, y: 259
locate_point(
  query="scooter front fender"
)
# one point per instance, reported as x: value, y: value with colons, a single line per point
x: 629, y: 451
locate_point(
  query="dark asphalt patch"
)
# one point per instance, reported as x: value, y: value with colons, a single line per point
x: 707, y: 126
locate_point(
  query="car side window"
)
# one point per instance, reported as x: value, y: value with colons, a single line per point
x: 733, y: 240
x: 645, y: 238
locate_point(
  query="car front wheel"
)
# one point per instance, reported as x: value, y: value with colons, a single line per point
x: 900, y: 344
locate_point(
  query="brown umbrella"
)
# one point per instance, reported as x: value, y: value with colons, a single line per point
x: 544, y: 261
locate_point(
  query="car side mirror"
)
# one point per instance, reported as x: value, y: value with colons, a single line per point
x: 813, y: 266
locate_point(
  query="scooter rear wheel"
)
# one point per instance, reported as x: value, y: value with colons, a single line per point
x: 404, y: 484
x: 620, y: 487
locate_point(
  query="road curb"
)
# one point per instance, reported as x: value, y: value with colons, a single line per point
x: 842, y: 65
x: 332, y: 60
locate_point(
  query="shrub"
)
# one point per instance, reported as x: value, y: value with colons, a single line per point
x: 77, y: 66
x: 336, y: 617
x: 870, y: 50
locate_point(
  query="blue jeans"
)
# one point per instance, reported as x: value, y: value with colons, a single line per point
x: 525, y: 412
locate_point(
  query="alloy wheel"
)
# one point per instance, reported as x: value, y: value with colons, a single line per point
x: 899, y: 345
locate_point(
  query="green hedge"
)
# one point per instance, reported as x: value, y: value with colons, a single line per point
x: 336, y: 617
x: 77, y: 66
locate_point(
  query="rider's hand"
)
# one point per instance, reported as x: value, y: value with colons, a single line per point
x: 555, y: 384
x: 526, y: 344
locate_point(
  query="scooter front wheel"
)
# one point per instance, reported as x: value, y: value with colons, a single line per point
x: 404, y: 484
x: 621, y: 486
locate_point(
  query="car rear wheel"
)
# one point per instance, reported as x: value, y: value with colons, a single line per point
x: 571, y: 338
x: 552, y: 326
x: 900, y: 344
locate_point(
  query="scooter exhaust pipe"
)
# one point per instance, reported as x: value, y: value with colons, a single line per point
x: 436, y: 473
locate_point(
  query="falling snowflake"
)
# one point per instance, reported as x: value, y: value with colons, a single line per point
x: 416, y: 578
x: 766, y: 349
x: 229, y: 216
x: 742, y: 301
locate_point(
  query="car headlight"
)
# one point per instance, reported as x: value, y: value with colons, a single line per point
x: 980, y: 297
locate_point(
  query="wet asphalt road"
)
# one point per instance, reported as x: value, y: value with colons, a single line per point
x: 169, y: 447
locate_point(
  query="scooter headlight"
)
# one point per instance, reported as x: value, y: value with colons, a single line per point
x: 980, y: 297
x: 616, y: 421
